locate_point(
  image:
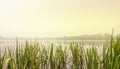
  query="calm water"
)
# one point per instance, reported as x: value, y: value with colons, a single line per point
x: 12, y: 43
x: 87, y: 43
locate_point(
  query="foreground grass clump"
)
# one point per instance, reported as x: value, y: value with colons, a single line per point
x: 74, y: 56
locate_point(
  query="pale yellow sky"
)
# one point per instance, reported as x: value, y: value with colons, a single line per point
x: 56, y: 18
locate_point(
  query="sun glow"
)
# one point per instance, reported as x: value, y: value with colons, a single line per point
x: 55, y: 18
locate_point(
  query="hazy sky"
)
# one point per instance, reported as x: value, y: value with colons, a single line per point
x: 52, y: 18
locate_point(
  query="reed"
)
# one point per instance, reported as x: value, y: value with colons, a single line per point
x: 74, y: 56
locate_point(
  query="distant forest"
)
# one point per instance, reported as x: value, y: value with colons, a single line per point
x: 88, y: 37
x: 81, y: 37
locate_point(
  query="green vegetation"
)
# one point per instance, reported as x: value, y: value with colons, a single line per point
x: 74, y: 56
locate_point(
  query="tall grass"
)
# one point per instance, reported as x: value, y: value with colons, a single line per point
x: 74, y: 56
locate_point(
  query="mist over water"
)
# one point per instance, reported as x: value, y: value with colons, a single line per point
x: 4, y: 44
